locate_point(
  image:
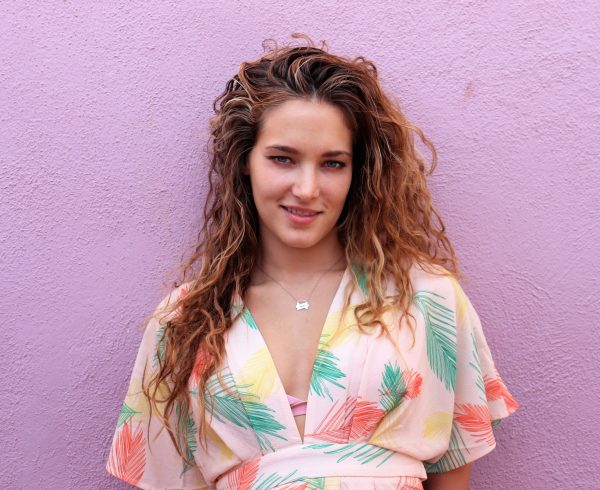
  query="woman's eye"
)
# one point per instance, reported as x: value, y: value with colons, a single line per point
x: 276, y: 159
x: 334, y: 164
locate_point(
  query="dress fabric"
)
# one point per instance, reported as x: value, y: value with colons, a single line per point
x: 381, y: 412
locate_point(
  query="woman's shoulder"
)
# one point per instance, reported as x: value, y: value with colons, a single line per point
x: 424, y: 274
x: 166, y: 307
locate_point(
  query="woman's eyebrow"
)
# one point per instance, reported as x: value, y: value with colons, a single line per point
x: 293, y: 151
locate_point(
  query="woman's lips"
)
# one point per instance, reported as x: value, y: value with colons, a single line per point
x: 301, y: 216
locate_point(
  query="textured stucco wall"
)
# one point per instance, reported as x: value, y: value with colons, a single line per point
x: 103, y: 112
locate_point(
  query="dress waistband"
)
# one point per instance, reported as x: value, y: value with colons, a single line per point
x: 299, y: 462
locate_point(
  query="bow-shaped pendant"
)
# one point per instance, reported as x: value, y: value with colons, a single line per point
x: 302, y: 305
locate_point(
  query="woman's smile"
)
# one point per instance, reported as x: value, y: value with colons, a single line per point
x: 301, y: 216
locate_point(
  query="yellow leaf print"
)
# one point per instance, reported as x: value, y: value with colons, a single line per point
x: 338, y: 330
x: 259, y: 372
x: 461, y: 299
x: 138, y: 402
x: 225, y: 453
x: 438, y: 425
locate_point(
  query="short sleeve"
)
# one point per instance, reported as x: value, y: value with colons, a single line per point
x: 481, y: 399
x: 141, y: 454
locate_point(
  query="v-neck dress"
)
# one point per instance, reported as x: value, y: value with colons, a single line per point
x: 381, y: 413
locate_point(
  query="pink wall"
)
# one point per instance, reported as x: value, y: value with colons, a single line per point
x: 104, y: 106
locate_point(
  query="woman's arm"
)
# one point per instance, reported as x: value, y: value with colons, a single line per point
x: 456, y: 479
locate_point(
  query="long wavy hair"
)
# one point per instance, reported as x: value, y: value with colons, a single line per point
x: 387, y: 224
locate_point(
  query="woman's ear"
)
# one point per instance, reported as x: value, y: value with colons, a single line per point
x: 246, y: 166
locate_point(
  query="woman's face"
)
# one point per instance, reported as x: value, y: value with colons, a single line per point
x: 300, y: 170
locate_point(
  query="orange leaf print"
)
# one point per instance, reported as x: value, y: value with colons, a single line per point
x: 298, y: 485
x: 335, y: 426
x: 201, y: 361
x: 495, y: 389
x: 244, y: 476
x: 366, y: 417
x: 128, y: 457
x: 476, y: 420
x: 413, y: 381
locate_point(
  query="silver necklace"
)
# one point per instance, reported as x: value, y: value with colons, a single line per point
x: 301, y: 304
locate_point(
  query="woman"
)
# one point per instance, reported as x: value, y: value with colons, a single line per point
x: 323, y: 341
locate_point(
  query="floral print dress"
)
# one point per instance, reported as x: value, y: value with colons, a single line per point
x: 381, y: 412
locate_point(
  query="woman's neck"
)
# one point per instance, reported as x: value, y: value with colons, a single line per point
x: 298, y: 264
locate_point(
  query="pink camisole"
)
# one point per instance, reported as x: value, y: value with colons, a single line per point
x: 298, y: 406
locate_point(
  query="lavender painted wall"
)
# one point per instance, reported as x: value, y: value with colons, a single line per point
x: 103, y: 110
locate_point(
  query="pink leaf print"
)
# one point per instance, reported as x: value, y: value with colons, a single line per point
x: 366, y: 417
x: 495, y: 389
x: 335, y: 426
x: 476, y: 420
x: 243, y: 477
x: 128, y: 457
x: 413, y: 381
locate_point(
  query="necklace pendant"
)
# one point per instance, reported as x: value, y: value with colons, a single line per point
x: 302, y: 305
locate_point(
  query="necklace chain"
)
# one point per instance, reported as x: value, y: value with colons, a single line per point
x: 304, y: 304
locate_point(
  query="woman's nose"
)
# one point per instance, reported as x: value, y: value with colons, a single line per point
x: 306, y: 185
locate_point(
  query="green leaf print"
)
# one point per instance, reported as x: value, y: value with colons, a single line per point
x: 246, y: 316
x: 477, y: 368
x: 237, y: 407
x: 159, y: 355
x: 361, y: 278
x: 453, y: 457
x: 440, y: 336
x: 392, y: 387
x: 314, y: 483
x: 362, y: 452
x: 126, y: 414
x: 190, y: 428
x: 325, y: 370
x: 273, y: 480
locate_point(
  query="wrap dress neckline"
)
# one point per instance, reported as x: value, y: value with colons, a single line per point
x: 284, y: 404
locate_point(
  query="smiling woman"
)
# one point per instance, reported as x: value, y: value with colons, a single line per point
x: 324, y: 340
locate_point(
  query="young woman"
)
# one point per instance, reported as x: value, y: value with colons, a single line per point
x: 323, y: 340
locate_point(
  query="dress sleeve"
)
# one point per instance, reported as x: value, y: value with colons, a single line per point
x: 481, y: 399
x: 143, y: 454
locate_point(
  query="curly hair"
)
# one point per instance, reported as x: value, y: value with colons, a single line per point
x: 388, y: 221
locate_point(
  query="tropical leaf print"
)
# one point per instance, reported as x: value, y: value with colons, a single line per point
x: 437, y: 425
x: 413, y: 382
x: 325, y: 371
x: 126, y: 414
x: 453, y: 457
x: 240, y: 408
x: 367, y: 416
x: 335, y: 426
x: 338, y: 329
x: 361, y: 278
x: 440, y: 336
x: 258, y: 371
x: 476, y: 420
x: 273, y: 480
x: 392, y: 387
x: 315, y: 483
x: 189, y: 426
x: 201, y: 361
x: 496, y: 389
x: 127, y: 459
x: 225, y: 452
x: 161, y: 344
x: 225, y: 402
x: 476, y: 366
x: 362, y: 452
x: 247, y: 317
x: 243, y: 477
